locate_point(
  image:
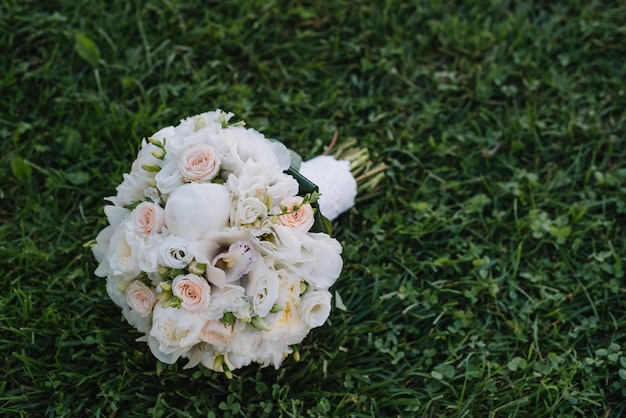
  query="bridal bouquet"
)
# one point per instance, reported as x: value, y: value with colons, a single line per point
x: 217, y: 250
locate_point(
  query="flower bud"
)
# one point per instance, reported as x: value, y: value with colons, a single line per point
x: 277, y: 308
x: 197, y: 268
x: 159, y: 154
x: 260, y: 324
x: 152, y: 168
x: 155, y: 142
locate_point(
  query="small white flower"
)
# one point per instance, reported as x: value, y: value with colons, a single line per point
x: 315, y: 307
x: 174, y: 252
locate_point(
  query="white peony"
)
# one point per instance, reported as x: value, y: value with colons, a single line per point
x: 195, y: 210
x: 123, y: 252
x: 174, y: 332
x: 247, y: 146
x: 228, y: 298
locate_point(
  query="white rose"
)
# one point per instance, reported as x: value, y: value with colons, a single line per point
x: 315, y: 307
x: 194, y: 291
x: 149, y: 254
x: 228, y: 298
x: 174, y: 252
x: 262, y: 288
x: 147, y: 218
x: 247, y: 211
x: 217, y: 333
x: 174, y: 332
x: 141, y: 298
x: 169, y: 178
x: 199, y: 163
x: 300, y: 220
x: 197, y: 209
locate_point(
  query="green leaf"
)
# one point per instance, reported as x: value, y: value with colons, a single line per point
x: 21, y: 169
x: 77, y: 178
x: 560, y: 233
x: 87, y: 49
x: 436, y: 375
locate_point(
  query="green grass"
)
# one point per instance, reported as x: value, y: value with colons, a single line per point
x: 483, y: 278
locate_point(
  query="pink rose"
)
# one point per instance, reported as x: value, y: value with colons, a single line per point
x: 140, y: 298
x: 194, y: 291
x: 199, y: 163
x: 300, y: 220
x: 148, y: 218
x: 217, y: 333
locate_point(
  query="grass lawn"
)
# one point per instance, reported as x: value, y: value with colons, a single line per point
x: 485, y: 275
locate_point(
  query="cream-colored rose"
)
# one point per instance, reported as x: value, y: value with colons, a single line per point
x: 199, y: 163
x: 194, y: 291
x: 302, y: 219
x: 140, y: 298
x: 147, y: 218
x: 217, y: 333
